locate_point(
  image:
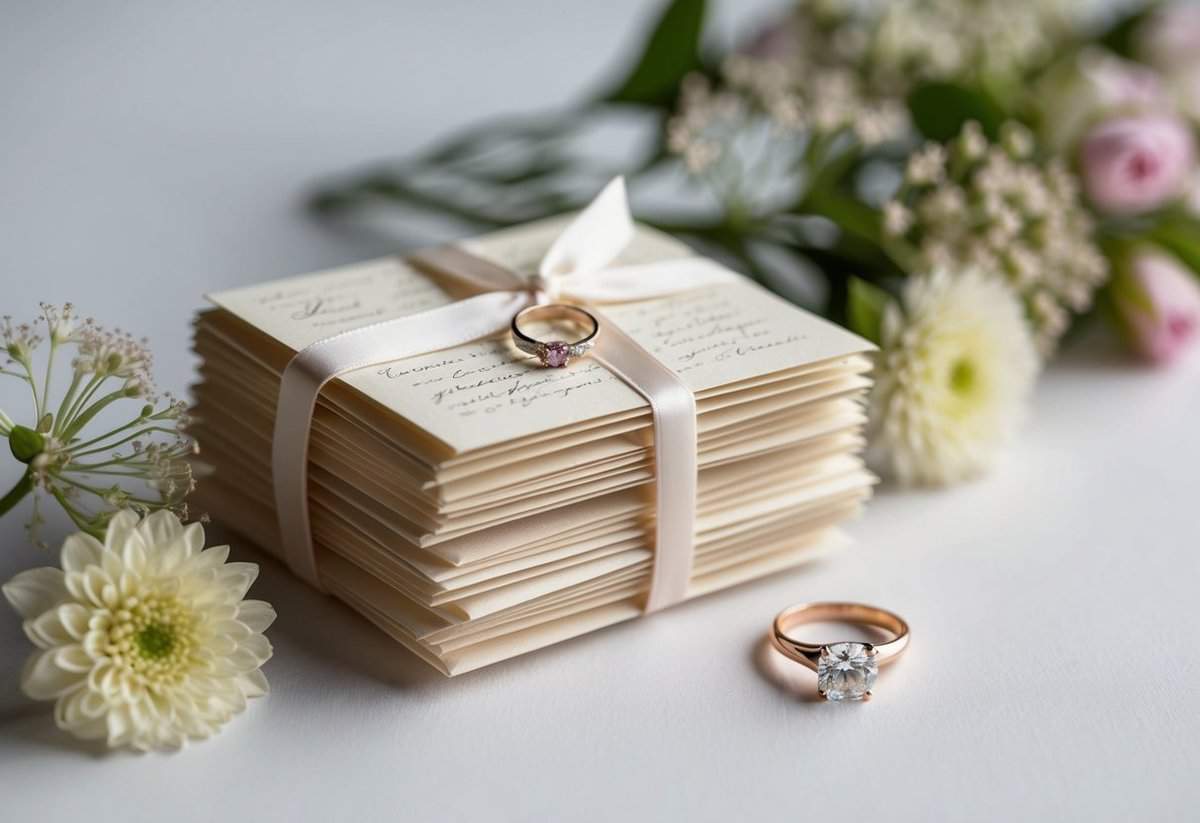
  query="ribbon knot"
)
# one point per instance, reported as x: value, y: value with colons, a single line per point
x: 545, y: 289
x: 578, y: 267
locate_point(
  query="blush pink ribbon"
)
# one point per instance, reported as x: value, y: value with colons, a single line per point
x: 575, y: 269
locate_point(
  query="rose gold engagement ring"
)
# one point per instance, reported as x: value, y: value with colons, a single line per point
x: 845, y: 670
x: 556, y: 353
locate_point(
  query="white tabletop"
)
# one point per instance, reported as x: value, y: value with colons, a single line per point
x: 151, y: 152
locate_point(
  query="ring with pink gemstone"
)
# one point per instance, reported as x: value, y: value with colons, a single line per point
x: 845, y: 670
x: 582, y: 326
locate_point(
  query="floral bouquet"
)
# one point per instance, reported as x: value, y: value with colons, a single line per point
x: 142, y: 637
x: 961, y: 181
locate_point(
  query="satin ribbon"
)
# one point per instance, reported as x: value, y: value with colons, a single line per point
x: 576, y: 269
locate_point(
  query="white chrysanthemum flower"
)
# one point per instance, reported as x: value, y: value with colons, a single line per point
x: 954, y: 377
x: 143, y: 640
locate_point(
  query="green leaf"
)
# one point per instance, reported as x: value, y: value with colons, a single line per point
x: 939, y: 110
x: 1180, y: 235
x: 850, y: 214
x: 25, y: 443
x: 671, y: 52
x: 864, y: 309
x: 1121, y: 36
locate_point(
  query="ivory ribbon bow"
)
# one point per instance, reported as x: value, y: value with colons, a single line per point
x: 575, y: 269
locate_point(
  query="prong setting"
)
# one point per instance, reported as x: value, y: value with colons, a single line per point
x: 846, y: 671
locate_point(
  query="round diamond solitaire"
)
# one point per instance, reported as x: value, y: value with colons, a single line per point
x: 846, y: 671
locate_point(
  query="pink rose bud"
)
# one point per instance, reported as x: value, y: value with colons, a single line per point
x: 1131, y: 165
x: 1158, y: 302
x: 1092, y: 86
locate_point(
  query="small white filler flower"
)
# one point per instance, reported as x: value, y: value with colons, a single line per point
x: 143, y: 640
x: 953, y: 380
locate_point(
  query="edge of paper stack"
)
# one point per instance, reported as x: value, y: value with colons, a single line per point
x: 471, y: 556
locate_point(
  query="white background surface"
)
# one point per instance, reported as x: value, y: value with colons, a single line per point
x: 150, y: 152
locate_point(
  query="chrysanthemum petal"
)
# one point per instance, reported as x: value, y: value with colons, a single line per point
x: 103, y: 680
x: 159, y: 528
x: 93, y: 582
x: 122, y: 524
x: 210, y: 558
x: 254, y: 683
x: 193, y: 538
x: 258, y: 615
x: 92, y: 704
x: 217, y: 646
x: 35, y: 590
x: 73, y: 658
x: 237, y: 578
x: 259, y: 646
x: 133, y: 555
x: 71, y: 714
x: 43, y: 679
x: 112, y: 564
x: 47, y: 630
x: 94, y: 642
x: 241, y: 661
x: 79, y: 551
x: 120, y: 726
x: 235, y: 630
x: 75, y: 619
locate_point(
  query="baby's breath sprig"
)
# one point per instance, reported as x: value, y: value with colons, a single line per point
x: 93, y: 470
x: 976, y: 204
x: 773, y: 120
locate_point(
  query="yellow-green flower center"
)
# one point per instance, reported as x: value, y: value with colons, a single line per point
x: 155, y: 641
x: 154, y: 637
x: 962, y: 376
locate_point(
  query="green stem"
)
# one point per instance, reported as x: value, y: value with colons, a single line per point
x: 37, y: 401
x: 109, y: 446
x: 77, y: 447
x: 17, y: 493
x: 60, y: 425
x: 76, y: 516
x: 45, y: 404
x: 66, y: 401
x: 86, y: 417
x: 85, y: 470
x: 99, y: 492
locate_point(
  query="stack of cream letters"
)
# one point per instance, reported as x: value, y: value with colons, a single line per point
x: 476, y: 506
